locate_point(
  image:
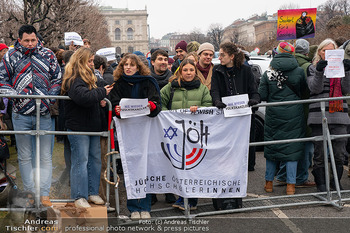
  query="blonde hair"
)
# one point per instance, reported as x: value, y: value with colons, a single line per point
x: 178, y: 75
x: 78, y: 67
x: 193, y: 54
x: 143, y: 69
x: 323, y: 44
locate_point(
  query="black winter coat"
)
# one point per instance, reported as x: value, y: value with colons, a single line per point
x: 122, y: 89
x: 244, y: 82
x: 83, y: 112
x: 108, y: 75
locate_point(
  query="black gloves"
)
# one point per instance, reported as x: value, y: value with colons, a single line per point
x: 321, y: 65
x: 252, y: 102
x: 346, y: 64
x: 220, y: 104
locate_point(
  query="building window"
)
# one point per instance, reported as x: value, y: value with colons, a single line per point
x: 117, y: 22
x: 129, y: 21
x: 130, y: 49
x: 117, y: 34
x: 130, y: 34
x: 118, y: 50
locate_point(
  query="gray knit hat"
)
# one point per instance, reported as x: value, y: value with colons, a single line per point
x: 205, y: 46
x: 302, y: 46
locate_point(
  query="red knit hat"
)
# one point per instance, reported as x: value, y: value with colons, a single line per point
x: 181, y: 45
x: 170, y: 60
x: 3, y: 46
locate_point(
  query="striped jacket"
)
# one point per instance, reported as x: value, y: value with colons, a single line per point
x: 34, y: 71
x: 319, y: 88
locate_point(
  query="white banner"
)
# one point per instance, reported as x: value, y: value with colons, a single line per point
x: 192, y: 155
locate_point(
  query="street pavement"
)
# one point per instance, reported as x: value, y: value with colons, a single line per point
x: 310, y: 218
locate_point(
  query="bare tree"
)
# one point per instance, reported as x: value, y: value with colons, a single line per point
x: 54, y: 17
x: 289, y: 6
x: 197, y: 35
x: 215, y: 35
x: 344, y: 6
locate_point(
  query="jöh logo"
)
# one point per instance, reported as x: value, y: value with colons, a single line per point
x: 191, y: 134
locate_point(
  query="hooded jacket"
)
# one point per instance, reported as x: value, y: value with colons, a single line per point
x: 284, y: 121
x: 27, y: 71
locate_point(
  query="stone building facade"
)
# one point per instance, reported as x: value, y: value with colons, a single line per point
x: 128, y: 29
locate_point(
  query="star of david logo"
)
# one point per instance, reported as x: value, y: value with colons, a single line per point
x: 170, y: 133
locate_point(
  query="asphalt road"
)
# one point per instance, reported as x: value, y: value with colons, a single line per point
x: 309, y: 218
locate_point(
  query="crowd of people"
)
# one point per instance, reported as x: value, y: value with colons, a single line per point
x: 190, y: 81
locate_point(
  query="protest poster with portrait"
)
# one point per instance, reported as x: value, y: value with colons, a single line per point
x: 296, y: 23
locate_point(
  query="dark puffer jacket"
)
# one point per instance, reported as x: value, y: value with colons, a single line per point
x: 284, y: 121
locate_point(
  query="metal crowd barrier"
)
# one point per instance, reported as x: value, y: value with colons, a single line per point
x: 37, y: 133
x: 325, y: 198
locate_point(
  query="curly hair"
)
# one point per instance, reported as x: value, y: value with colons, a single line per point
x: 142, y: 68
x: 232, y: 49
x: 78, y: 67
x: 178, y: 74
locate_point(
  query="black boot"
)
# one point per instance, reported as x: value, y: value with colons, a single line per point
x: 170, y: 198
x: 320, y: 179
x: 154, y: 199
x: 340, y: 170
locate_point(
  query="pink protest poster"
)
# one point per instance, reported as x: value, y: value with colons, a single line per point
x: 296, y: 23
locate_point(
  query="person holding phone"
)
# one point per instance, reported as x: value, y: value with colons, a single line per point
x: 82, y: 113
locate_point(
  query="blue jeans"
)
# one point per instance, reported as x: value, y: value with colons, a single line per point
x: 303, y: 166
x: 85, y: 165
x: 291, y: 167
x: 26, y: 150
x: 138, y: 205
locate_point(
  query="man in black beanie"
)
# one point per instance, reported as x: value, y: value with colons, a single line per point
x: 181, y: 52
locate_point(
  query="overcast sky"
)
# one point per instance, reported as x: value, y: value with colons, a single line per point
x: 183, y: 16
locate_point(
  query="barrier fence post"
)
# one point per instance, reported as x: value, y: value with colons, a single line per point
x: 37, y: 153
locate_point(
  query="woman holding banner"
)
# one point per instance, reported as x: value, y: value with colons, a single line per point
x: 336, y: 112
x: 283, y: 81
x: 82, y: 113
x: 132, y: 80
x: 185, y: 90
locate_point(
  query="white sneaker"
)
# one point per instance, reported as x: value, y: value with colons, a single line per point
x: 82, y: 203
x: 135, y: 215
x: 145, y: 215
x: 96, y: 199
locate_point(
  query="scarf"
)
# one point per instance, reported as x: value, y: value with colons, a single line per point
x: 162, y: 79
x: 194, y: 84
x: 136, y: 80
x: 204, y: 71
x: 276, y: 75
x: 335, y: 91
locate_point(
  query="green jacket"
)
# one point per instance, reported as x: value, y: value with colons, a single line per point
x: 303, y: 61
x: 184, y: 98
x: 284, y: 121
